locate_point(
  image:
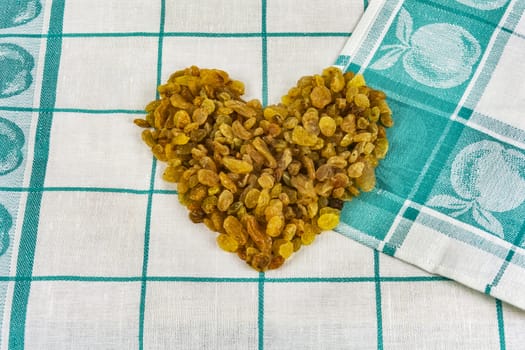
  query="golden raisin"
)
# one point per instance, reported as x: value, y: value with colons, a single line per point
x: 361, y: 100
x: 237, y: 166
x: 328, y: 221
x: 252, y: 197
x: 225, y: 200
x: 227, y: 243
x: 327, y: 125
x: 234, y: 228
x: 356, y: 169
x: 266, y: 180
x: 208, y: 177
x: 275, y: 226
x: 320, y: 96
x: 283, y: 248
x: 302, y: 137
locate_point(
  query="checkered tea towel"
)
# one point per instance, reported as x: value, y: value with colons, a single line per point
x: 451, y: 193
x: 97, y: 253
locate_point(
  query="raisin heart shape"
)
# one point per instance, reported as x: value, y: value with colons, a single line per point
x: 267, y: 179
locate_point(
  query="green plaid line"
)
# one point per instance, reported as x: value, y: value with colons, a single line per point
x: 508, y: 260
x: 183, y: 34
x: 151, y: 188
x: 264, y: 92
x: 379, y: 312
x: 72, y: 110
x: 501, y: 325
x: 371, y: 279
x: 84, y: 189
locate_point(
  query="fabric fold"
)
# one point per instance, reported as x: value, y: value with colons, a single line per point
x: 450, y: 195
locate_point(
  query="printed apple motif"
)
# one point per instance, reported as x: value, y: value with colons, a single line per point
x: 439, y: 55
x: 12, y: 141
x: 16, y: 65
x: 488, y: 178
x: 5, y: 225
x: 18, y: 12
x: 491, y: 175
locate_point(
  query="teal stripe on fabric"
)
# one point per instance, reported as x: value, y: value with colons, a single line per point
x: 85, y: 189
x: 342, y: 60
x: 379, y: 311
x: 357, y: 235
x: 71, y: 110
x: 463, y: 235
x: 319, y: 279
x: 264, y: 51
x: 403, y: 93
x: 519, y: 237
x: 145, y: 258
x: 143, y: 287
x: 69, y: 278
x: 264, y: 92
x: 26, y: 250
x: 356, y: 279
x: 501, y: 325
x: 389, y: 249
x: 308, y: 34
x: 465, y: 113
x: 260, y: 311
x: 374, y: 32
x: 73, y: 189
x: 262, y: 34
x: 178, y: 34
x: 165, y: 192
x: 501, y: 271
x: 465, y: 14
x: 498, y: 127
x: 353, y: 67
x: 99, y: 111
x: 414, y: 279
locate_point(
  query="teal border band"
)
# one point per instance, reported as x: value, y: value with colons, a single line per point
x: 26, y: 251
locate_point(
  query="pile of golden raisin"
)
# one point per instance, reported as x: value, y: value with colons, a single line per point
x: 270, y: 179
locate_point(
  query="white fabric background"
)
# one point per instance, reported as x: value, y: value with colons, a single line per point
x: 334, y: 294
